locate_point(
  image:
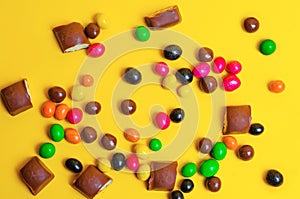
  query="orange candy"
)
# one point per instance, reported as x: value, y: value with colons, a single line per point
x: 72, y: 135
x: 87, y: 80
x: 276, y: 86
x: 132, y: 135
x: 48, y: 109
x: 61, y: 111
x: 230, y: 142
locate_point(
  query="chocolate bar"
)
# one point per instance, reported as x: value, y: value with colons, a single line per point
x: 237, y: 119
x: 36, y: 175
x: 71, y: 37
x: 162, y: 176
x: 91, y: 181
x: 16, y: 97
x: 164, y: 18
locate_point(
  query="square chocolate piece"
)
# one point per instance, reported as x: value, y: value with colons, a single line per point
x: 16, y: 97
x: 91, y: 181
x: 162, y: 176
x: 237, y: 119
x: 36, y: 175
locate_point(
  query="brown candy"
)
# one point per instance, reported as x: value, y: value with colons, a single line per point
x: 92, y: 30
x: 56, y: 94
x: 128, y: 107
x: 109, y: 141
x: 213, y: 183
x: 251, y: 24
x: 205, y: 145
x: 71, y: 37
x: 237, y: 119
x: 36, y: 175
x: 245, y: 152
x: 88, y: 134
x: 166, y: 17
x: 162, y: 176
x: 205, y: 54
x: 91, y: 181
x: 16, y: 97
x: 93, y: 107
x: 208, y: 84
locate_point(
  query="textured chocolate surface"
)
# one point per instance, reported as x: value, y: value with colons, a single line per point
x: 237, y: 119
x: 71, y: 37
x: 163, y: 176
x: 167, y: 17
x: 36, y: 175
x: 16, y: 97
x: 91, y: 181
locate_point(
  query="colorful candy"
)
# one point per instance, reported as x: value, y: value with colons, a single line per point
x: 73, y: 165
x: 87, y: 80
x: 155, y: 144
x: 205, y: 145
x: 218, y: 65
x: 47, y: 150
x: 205, y: 54
x: 109, y: 141
x: 57, y: 132
x: 267, y: 47
x: 132, y: 162
x: 78, y: 93
x: 201, y: 70
x: 219, y: 151
x: 102, y: 20
x: 233, y: 67
x: 274, y: 178
x: 96, y: 50
x: 128, y: 106
x: 256, y: 129
x: 189, y: 169
x: 184, y: 75
x: 209, y: 168
x: 93, y: 108
x: 141, y: 149
x: 92, y: 30
x: 61, y: 111
x: 245, y: 152
x: 276, y: 86
x: 143, y: 172
x: 176, y: 194
x: 231, y: 82
x: 162, y: 120
x: 118, y: 161
x: 72, y: 136
x: 161, y: 68
x: 186, y: 185
x: 213, y: 183
x: 177, y: 115
x: 230, y: 142
x: 56, y: 94
x: 169, y: 82
x: 142, y: 33
x: 251, y: 24
x: 132, y: 76
x: 172, y: 52
x: 88, y: 134
x: 48, y: 109
x: 208, y: 84
x: 74, y: 115
x: 132, y: 135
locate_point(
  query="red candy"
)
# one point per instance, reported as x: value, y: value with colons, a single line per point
x: 132, y: 162
x: 233, y: 67
x: 162, y: 68
x: 231, y: 82
x: 96, y: 50
x: 201, y: 70
x: 162, y: 120
x: 218, y: 65
x: 74, y: 115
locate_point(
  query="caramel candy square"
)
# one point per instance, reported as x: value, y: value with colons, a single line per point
x: 71, y: 37
x: 91, y: 181
x: 237, y: 119
x: 16, y: 97
x: 162, y: 176
x: 36, y: 175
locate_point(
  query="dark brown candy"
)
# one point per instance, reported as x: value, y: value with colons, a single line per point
x: 245, y: 152
x: 109, y: 141
x: 205, y: 145
x: 71, y: 37
x: 128, y: 106
x: 237, y: 119
x: 208, y: 84
x: 162, y: 176
x: 205, y: 54
x: 91, y: 181
x: 16, y: 97
x: 93, y: 107
x: 88, y: 134
x: 166, y: 17
x: 56, y: 94
x: 92, y: 30
x: 36, y: 175
x: 213, y: 183
x: 251, y: 24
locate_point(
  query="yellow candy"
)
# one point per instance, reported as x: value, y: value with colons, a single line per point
x: 141, y: 149
x: 184, y: 91
x: 102, y: 21
x: 143, y: 173
x: 103, y: 165
x: 170, y: 82
x: 78, y: 93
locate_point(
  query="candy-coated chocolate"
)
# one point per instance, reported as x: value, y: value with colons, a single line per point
x: 184, y: 90
x: 274, y: 178
x: 189, y: 169
x: 57, y: 132
x: 176, y: 194
x: 267, y: 47
x: 93, y: 107
x: 233, y: 67
x: 231, y: 82
x: 219, y: 151
x: 201, y: 70
x: 251, y: 24
x: 74, y: 115
x: 276, y: 86
x: 209, y: 168
x: 172, y: 52
x: 141, y: 149
x: 96, y: 50
x: 108, y: 141
x: 102, y: 20
x: 213, y: 183
x: 177, y: 115
x: 118, y: 161
x: 48, y: 109
x: 187, y: 185
x: 205, y: 145
x: 155, y: 144
x: 143, y: 172
x: 184, y: 76
x: 132, y: 135
x: 218, y: 65
x: 132, y: 162
x: 230, y: 142
x: 132, y: 76
x: 87, y: 80
x: 73, y: 165
x: 208, y: 84
x: 56, y: 94
x: 245, y: 152
x: 142, y: 33
x: 162, y: 68
x: 92, y: 30
x: 88, y: 134
x: 128, y: 106
x: 169, y: 82
x: 256, y: 129
x: 61, y: 111
x: 72, y: 135
x: 47, y: 150
x: 162, y: 120
x: 78, y: 93
x: 205, y: 54
x: 103, y: 165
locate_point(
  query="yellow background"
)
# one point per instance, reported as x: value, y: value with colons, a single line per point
x: 29, y: 50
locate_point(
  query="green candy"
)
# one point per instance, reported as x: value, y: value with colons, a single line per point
x: 219, y: 151
x: 142, y: 33
x: 155, y: 144
x: 47, y: 150
x: 189, y: 169
x: 267, y: 47
x: 209, y: 168
x: 57, y: 132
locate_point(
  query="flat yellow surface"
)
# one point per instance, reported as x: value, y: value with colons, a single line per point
x: 29, y: 50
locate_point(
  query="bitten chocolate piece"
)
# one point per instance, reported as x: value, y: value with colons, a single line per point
x: 237, y: 119
x: 91, y: 181
x: 71, y: 37
x: 162, y: 176
x: 36, y: 175
x: 16, y: 97
x: 167, y: 17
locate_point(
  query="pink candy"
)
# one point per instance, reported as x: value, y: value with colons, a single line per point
x: 162, y: 68
x: 162, y: 120
x: 132, y: 162
x: 231, y: 82
x: 233, y: 67
x: 74, y: 115
x: 96, y: 50
x: 201, y: 70
x: 218, y: 65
